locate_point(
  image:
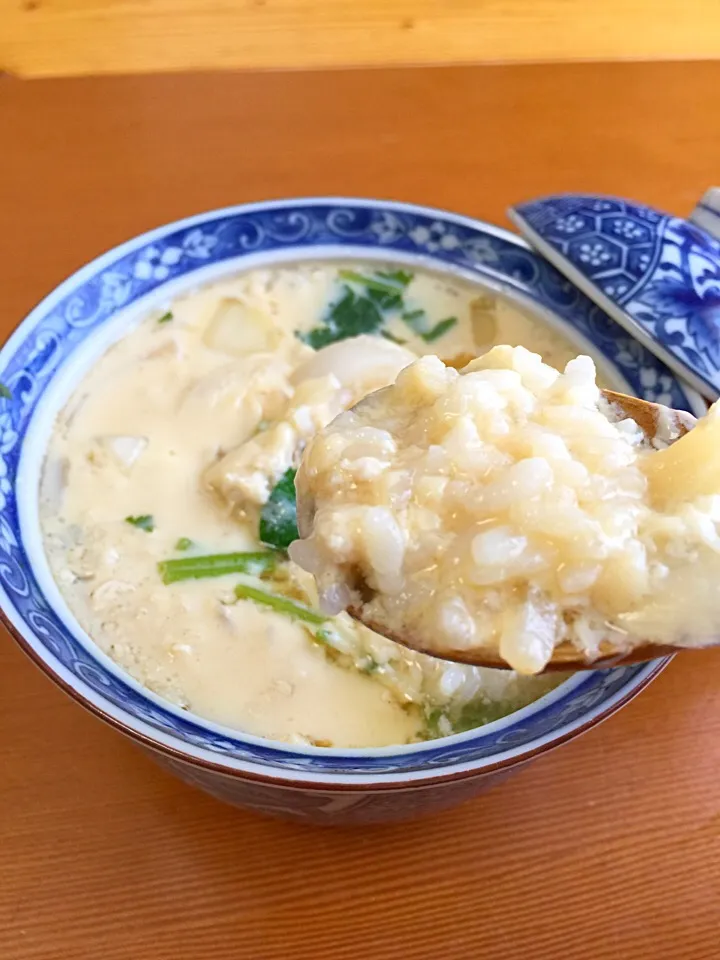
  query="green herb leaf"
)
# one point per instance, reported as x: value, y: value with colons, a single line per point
x: 184, y: 543
x: 280, y: 604
x: 5, y: 392
x: 144, y: 522
x: 392, y: 338
x: 349, y: 316
x: 166, y: 317
x: 384, y: 289
x: 439, y: 329
x: 278, y: 518
x: 217, y: 565
x: 386, y: 299
x: 355, y: 313
x: 401, y: 277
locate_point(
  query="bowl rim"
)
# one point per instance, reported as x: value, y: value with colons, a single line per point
x: 379, y: 782
x: 131, y: 725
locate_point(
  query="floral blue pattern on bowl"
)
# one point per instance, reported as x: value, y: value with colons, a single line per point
x: 657, y: 275
x: 42, y: 346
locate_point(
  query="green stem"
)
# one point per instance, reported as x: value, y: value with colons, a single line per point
x: 372, y: 283
x: 217, y: 565
x: 430, y: 336
x: 280, y: 604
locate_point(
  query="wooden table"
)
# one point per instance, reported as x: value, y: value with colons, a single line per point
x: 71, y: 37
x: 608, y: 849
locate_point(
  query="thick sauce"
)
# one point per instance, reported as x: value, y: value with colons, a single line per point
x: 142, y: 438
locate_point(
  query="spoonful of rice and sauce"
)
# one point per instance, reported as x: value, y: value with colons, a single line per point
x: 509, y: 515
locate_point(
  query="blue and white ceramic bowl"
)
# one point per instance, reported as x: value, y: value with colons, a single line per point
x: 40, y: 365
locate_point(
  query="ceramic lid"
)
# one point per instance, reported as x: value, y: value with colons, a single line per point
x: 657, y: 275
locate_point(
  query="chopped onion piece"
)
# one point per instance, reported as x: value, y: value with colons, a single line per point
x: 125, y: 450
x: 239, y: 329
x: 360, y: 363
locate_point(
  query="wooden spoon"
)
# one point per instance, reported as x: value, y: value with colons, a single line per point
x: 653, y: 419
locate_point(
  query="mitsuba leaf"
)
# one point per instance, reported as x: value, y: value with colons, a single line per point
x: 278, y: 519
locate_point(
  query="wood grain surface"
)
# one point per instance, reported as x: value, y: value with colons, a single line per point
x: 609, y: 848
x: 71, y: 37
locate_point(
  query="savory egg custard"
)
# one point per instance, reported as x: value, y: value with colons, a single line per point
x: 168, y: 500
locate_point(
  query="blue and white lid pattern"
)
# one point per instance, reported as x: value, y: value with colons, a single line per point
x: 655, y: 274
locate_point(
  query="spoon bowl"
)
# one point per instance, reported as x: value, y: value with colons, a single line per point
x: 656, y: 422
x: 565, y: 656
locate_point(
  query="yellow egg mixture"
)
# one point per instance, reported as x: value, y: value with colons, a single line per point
x: 180, y: 443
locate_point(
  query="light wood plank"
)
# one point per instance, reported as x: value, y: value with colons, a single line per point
x: 70, y: 37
